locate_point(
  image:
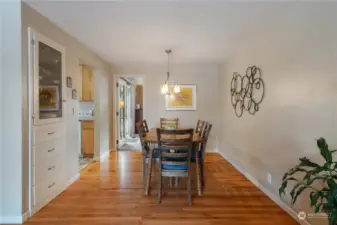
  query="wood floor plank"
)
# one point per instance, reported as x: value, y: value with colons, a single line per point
x: 111, y: 192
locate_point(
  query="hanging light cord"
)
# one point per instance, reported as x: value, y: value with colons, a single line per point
x: 168, y: 51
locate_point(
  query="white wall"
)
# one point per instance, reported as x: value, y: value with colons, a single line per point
x: 205, y: 76
x: 11, y: 112
x: 297, y: 54
x: 75, y: 53
x: 102, y: 112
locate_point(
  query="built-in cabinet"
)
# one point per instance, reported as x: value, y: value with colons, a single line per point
x: 48, y: 131
x: 88, y: 134
x: 87, y: 84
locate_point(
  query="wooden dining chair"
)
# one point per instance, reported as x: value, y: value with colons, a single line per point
x: 173, y: 163
x: 202, y: 149
x: 146, y: 128
x: 200, y: 126
x: 167, y: 123
x: 145, y: 151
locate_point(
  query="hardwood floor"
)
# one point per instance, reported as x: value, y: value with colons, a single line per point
x: 111, y: 192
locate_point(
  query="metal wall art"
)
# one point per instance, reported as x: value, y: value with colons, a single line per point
x: 247, y: 92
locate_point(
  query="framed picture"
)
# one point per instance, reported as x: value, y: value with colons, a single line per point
x: 69, y: 82
x: 74, y: 94
x: 49, y: 98
x: 185, y: 100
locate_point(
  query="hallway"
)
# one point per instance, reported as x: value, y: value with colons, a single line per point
x: 111, y: 192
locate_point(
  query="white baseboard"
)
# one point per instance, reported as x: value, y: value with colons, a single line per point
x: 25, y: 217
x: 271, y: 195
x: 72, y: 180
x: 14, y: 219
x: 103, y: 156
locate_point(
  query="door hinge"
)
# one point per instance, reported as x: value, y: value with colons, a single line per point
x: 117, y: 113
x: 33, y: 42
x: 117, y: 142
x: 117, y: 84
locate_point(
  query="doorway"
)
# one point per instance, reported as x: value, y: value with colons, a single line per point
x: 126, y: 116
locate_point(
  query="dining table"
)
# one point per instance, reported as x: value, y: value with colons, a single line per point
x: 151, y: 138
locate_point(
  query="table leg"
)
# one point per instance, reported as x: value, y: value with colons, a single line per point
x: 197, y: 162
x: 149, y: 172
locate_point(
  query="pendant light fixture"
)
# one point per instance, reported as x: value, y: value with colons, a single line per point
x: 166, y: 88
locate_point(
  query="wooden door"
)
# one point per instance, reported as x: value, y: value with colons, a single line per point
x: 88, y: 136
x: 87, y: 84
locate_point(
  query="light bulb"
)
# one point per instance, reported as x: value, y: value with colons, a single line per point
x: 164, y: 88
x: 176, y: 89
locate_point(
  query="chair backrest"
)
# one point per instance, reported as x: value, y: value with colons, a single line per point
x: 142, y: 135
x: 169, y: 140
x: 205, y: 134
x: 146, y: 128
x: 169, y: 123
x: 200, y: 126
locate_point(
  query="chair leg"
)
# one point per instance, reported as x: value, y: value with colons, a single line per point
x: 144, y: 172
x: 160, y: 184
x: 149, y: 170
x: 189, y: 192
x: 198, y: 173
x: 202, y: 173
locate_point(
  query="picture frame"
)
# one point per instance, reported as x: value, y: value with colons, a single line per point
x: 69, y: 82
x: 186, y: 100
x: 49, y: 98
x: 74, y: 94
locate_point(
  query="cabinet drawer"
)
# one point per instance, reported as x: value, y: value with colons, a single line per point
x: 51, y: 168
x: 45, y: 133
x: 48, y: 189
x: 44, y: 151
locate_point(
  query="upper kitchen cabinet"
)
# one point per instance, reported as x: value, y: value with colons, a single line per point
x: 87, y: 84
x: 48, y: 68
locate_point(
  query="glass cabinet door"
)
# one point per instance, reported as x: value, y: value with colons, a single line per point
x: 49, y: 79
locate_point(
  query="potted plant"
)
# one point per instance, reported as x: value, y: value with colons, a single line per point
x: 319, y: 179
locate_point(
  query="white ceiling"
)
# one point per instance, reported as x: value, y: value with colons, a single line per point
x: 139, y: 31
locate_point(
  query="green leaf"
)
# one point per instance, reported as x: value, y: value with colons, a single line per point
x: 313, y: 198
x: 299, y: 191
x: 313, y: 179
x: 331, y: 183
x: 284, y: 185
x: 281, y: 191
x: 284, y: 176
x: 324, y: 149
x: 306, y: 162
x: 293, y: 191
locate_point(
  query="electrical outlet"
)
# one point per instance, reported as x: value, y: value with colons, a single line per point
x: 269, y: 178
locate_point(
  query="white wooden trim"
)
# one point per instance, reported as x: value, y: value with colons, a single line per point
x: 73, y: 180
x: 103, y: 156
x: 272, y: 196
x: 14, y: 219
x: 25, y: 217
x: 37, y: 37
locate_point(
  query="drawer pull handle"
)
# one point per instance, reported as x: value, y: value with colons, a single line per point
x: 50, y: 168
x: 50, y: 150
x: 51, y: 133
x: 51, y: 185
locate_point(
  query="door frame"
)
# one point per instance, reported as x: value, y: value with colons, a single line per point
x: 118, y: 114
x: 115, y: 100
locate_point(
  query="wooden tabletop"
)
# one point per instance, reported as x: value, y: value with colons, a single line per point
x: 151, y: 137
